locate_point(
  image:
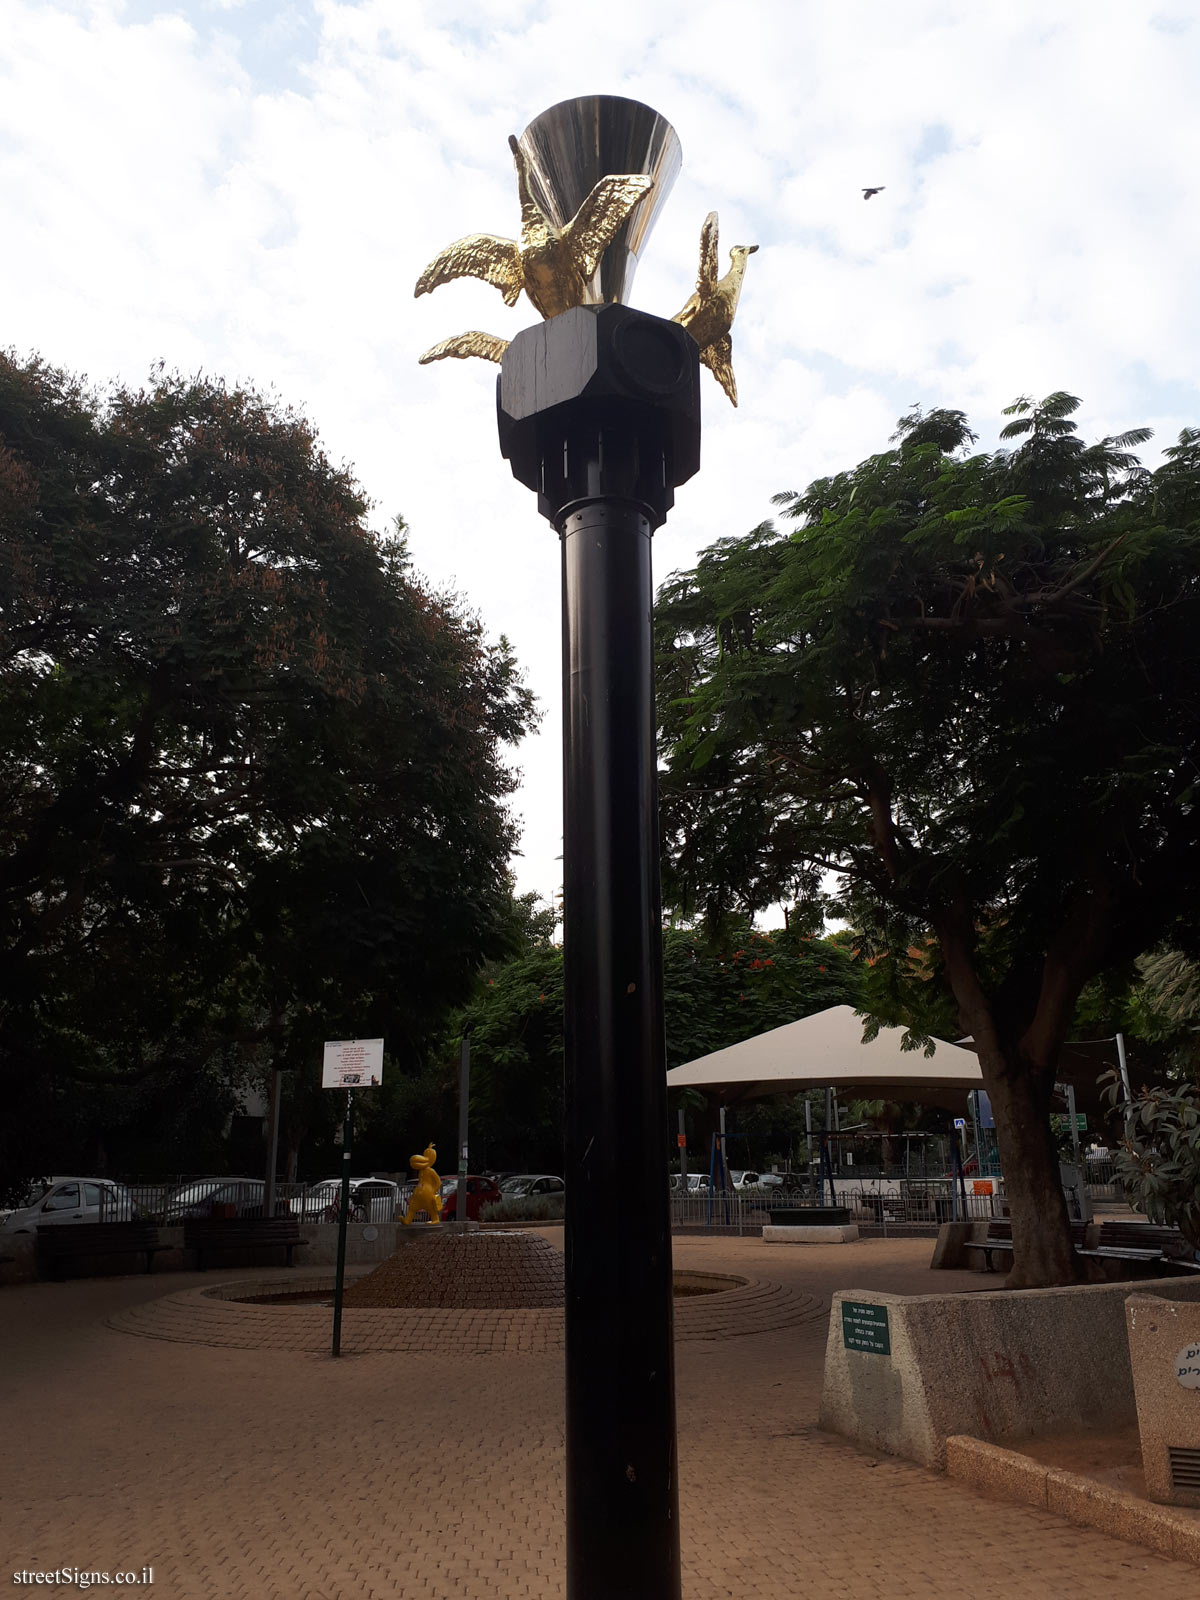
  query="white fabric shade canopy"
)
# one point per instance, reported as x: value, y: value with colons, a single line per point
x: 827, y: 1049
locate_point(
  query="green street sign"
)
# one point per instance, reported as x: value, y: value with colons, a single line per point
x: 865, y: 1327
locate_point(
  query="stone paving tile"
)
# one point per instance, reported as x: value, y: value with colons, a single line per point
x: 280, y: 1474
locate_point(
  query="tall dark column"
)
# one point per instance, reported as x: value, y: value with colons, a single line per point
x: 622, y: 1496
x: 599, y: 414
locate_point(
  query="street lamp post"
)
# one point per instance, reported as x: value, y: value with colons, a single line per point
x: 599, y: 414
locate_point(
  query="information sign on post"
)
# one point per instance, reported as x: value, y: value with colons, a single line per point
x: 352, y: 1064
x: 348, y: 1064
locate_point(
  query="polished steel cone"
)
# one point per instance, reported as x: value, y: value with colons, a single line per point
x: 578, y: 142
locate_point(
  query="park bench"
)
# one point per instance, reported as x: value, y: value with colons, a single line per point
x: 206, y: 1234
x: 1142, y: 1241
x: 998, y: 1240
x: 60, y: 1243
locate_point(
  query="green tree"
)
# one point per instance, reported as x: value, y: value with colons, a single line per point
x: 516, y: 1024
x: 716, y: 991
x: 251, y: 769
x: 739, y: 981
x: 966, y: 684
x: 1166, y: 1006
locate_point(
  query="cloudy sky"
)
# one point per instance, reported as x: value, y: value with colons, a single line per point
x: 251, y: 187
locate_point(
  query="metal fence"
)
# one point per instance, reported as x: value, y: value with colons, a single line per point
x: 918, y: 1207
x: 896, y: 1206
x: 913, y: 1197
x: 1101, y: 1177
x: 174, y: 1200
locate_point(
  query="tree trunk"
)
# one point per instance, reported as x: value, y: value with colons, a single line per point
x: 1020, y: 1095
x: 1019, y: 1084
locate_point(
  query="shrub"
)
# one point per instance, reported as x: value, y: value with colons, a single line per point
x: 1158, y: 1161
x: 524, y: 1208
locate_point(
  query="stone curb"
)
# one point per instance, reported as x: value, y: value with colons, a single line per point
x: 1008, y: 1475
x: 787, y: 1233
x: 515, y: 1226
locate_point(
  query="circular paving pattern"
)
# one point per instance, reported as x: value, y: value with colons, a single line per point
x: 211, y: 1316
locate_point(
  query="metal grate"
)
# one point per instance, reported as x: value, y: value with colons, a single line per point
x: 1185, y: 1467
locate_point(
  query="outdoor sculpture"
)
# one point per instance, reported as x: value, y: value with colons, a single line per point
x: 552, y: 265
x: 485, y: 345
x: 427, y: 1196
x: 555, y: 266
x: 708, y: 315
x: 598, y: 413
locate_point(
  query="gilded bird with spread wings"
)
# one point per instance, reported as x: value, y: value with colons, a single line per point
x: 485, y: 345
x: 553, y: 265
x: 708, y: 315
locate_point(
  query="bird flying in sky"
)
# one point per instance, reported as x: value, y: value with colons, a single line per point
x: 867, y: 193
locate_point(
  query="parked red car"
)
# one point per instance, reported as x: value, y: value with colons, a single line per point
x: 480, y: 1192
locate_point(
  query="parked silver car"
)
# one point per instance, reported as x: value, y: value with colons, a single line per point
x: 58, y: 1201
x: 219, y: 1197
x: 530, y: 1183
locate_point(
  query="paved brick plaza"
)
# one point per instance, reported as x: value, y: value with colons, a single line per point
x: 278, y: 1473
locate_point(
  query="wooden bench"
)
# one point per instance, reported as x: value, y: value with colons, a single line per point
x: 59, y: 1243
x: 998, y: 1240
x: 206, y: 1234
x: 1142, y: 1241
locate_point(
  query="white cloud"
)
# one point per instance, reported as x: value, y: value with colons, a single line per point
x: 253, y: 188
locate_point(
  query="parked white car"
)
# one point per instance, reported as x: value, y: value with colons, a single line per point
x: 69, y: 1200
x: 371, y: 1200
x: 696, y: 1183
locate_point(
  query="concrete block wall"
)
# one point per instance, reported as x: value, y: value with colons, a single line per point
x: 1000, y: 1365
x: 1164, y: 1353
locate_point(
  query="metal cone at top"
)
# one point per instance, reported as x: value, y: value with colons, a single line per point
x: 576, y: 143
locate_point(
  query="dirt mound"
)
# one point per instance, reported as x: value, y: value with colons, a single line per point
x: 476, y: 1270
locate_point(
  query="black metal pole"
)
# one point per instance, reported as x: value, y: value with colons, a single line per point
x: 621, y: 1482
x: 343, y: 1213
x: 464, y: 1107
x: 272, y: 1143
x: 599, y: 413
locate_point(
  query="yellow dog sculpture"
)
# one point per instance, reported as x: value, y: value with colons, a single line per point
x: 427, y: 1196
